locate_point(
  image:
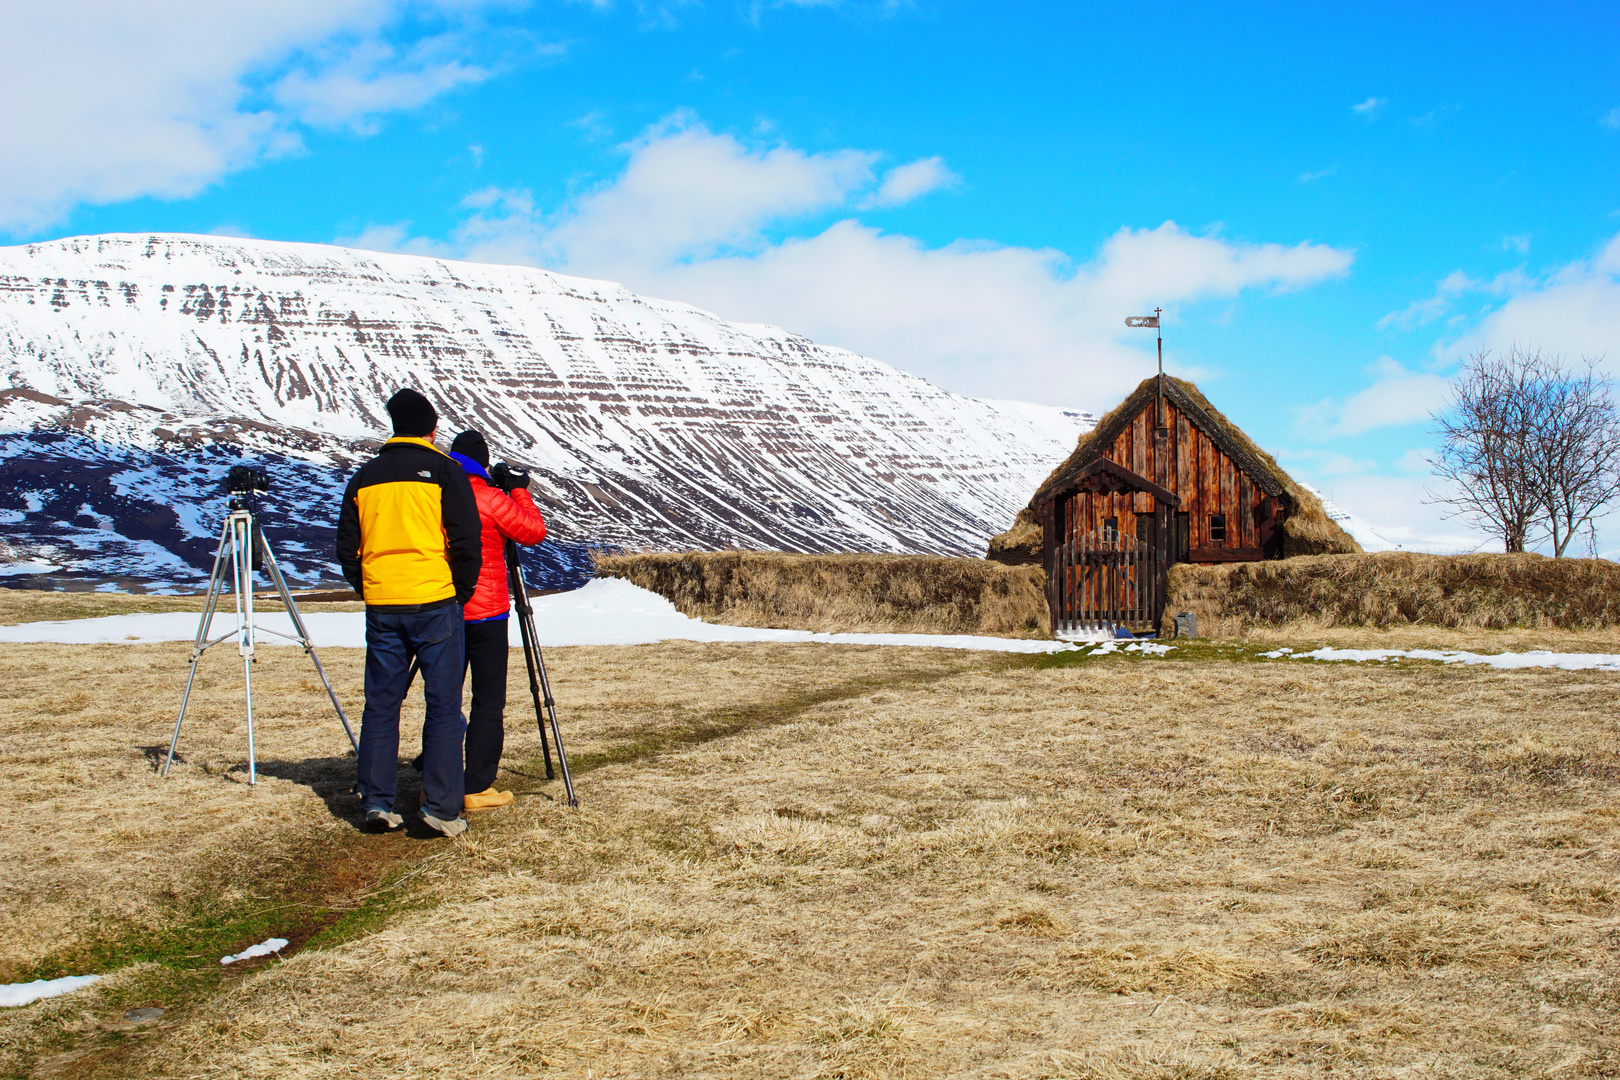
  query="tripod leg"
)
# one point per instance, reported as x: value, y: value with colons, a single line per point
x: 556, y: 728
x: 216, y: 585
x: 242, y: 565
x: 184, y: 698
x: 530, y: 657
x: 247, y: 677
x: 216, y: 581
x: 520, y: 600
x: 274, y: 570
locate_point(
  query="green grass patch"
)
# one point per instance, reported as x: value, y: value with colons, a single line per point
x: 1182, y: 650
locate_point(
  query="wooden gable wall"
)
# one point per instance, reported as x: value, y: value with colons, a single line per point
x: 1195, y: 468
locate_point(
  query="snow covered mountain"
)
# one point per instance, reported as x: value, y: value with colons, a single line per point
x: 136, y: 368
x: 1365, y: 534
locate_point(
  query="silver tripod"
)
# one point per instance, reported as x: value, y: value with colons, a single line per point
x: 242, y: 538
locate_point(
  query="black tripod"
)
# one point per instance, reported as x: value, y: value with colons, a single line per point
x: 545, y: 709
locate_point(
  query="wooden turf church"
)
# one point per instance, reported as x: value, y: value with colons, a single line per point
x: 1162, y: 479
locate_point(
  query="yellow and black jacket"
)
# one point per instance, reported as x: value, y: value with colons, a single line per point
x: 408, y: 534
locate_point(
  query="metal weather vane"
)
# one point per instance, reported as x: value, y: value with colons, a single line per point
x: 1151, y: 322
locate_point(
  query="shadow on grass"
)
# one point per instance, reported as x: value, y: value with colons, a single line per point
x: 332, y: 778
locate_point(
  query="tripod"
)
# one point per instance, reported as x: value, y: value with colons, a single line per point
x: 545, y: 709
x: 248, y: 548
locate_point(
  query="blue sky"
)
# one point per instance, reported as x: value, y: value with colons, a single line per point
x: 1331, y: 207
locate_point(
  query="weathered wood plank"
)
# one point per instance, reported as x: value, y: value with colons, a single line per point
x: 1225, y: 554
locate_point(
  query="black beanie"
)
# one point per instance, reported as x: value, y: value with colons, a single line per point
x: 413, y: 414
x: 471, y: 444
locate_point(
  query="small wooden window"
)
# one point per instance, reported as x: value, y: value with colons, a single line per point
x: 1111, y: 528
x: 1217, y: 528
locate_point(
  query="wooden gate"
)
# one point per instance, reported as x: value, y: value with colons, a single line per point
x: 1103, y: 581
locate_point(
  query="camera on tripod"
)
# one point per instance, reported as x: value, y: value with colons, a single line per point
x: 507, y: 477
x: 242, y: 481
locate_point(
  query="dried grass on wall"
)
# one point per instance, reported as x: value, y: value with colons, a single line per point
x: 916, y: 594
x: 1397, y: 588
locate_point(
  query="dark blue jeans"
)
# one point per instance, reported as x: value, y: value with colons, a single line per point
x: 435, y: 640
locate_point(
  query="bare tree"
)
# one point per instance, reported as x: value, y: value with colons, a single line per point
x: 1576, y: 453
x: 1529, y: 444
x: 1486, y: 435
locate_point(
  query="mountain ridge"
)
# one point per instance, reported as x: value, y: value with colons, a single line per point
x: 159, y: 359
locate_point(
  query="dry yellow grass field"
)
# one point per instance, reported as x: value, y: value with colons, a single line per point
x: 814, y: 861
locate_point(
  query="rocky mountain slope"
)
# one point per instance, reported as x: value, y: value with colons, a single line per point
x: 134, y: 369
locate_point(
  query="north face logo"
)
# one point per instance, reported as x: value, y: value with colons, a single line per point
x: 425, y: 474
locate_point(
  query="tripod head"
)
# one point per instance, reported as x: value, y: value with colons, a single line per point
x: 242, y: 482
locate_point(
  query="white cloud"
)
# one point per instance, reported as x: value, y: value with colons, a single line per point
x: 1573, y: 310
x: 687, y: 194
x: 1611, y: 119
x: 397, y: 237
x: 903, y: 183
x: 1395, y: 397
x: 1520, y: 243
x: 112, y: 100
x: 1320, y: 174
x: 689, y: 218
x: 1448, y: 291
x: 1369, y: 108
x: 351, y: 88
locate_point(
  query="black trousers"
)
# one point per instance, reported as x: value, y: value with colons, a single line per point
x: 486, y: 730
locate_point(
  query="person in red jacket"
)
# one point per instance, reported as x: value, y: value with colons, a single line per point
x: 506, y: 515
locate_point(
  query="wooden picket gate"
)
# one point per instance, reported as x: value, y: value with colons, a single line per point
x: 1104, y: 581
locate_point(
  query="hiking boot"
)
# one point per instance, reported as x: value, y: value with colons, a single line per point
x: 488, y: 799
x: 452, y: 828
x: 383, y: 820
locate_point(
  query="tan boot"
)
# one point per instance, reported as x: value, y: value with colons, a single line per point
x: 488, y: 799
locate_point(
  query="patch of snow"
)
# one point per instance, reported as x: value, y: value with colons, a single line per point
x: 1148, y: 648
x: 606, y: 611
x: 27, y: 566
x: 1537, y: 658
x: 15, y: 994
x: 263, y: 948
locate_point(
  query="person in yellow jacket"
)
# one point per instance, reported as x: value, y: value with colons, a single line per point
x: 408, y: 541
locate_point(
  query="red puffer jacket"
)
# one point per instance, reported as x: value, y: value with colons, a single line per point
x: 505, y: 517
